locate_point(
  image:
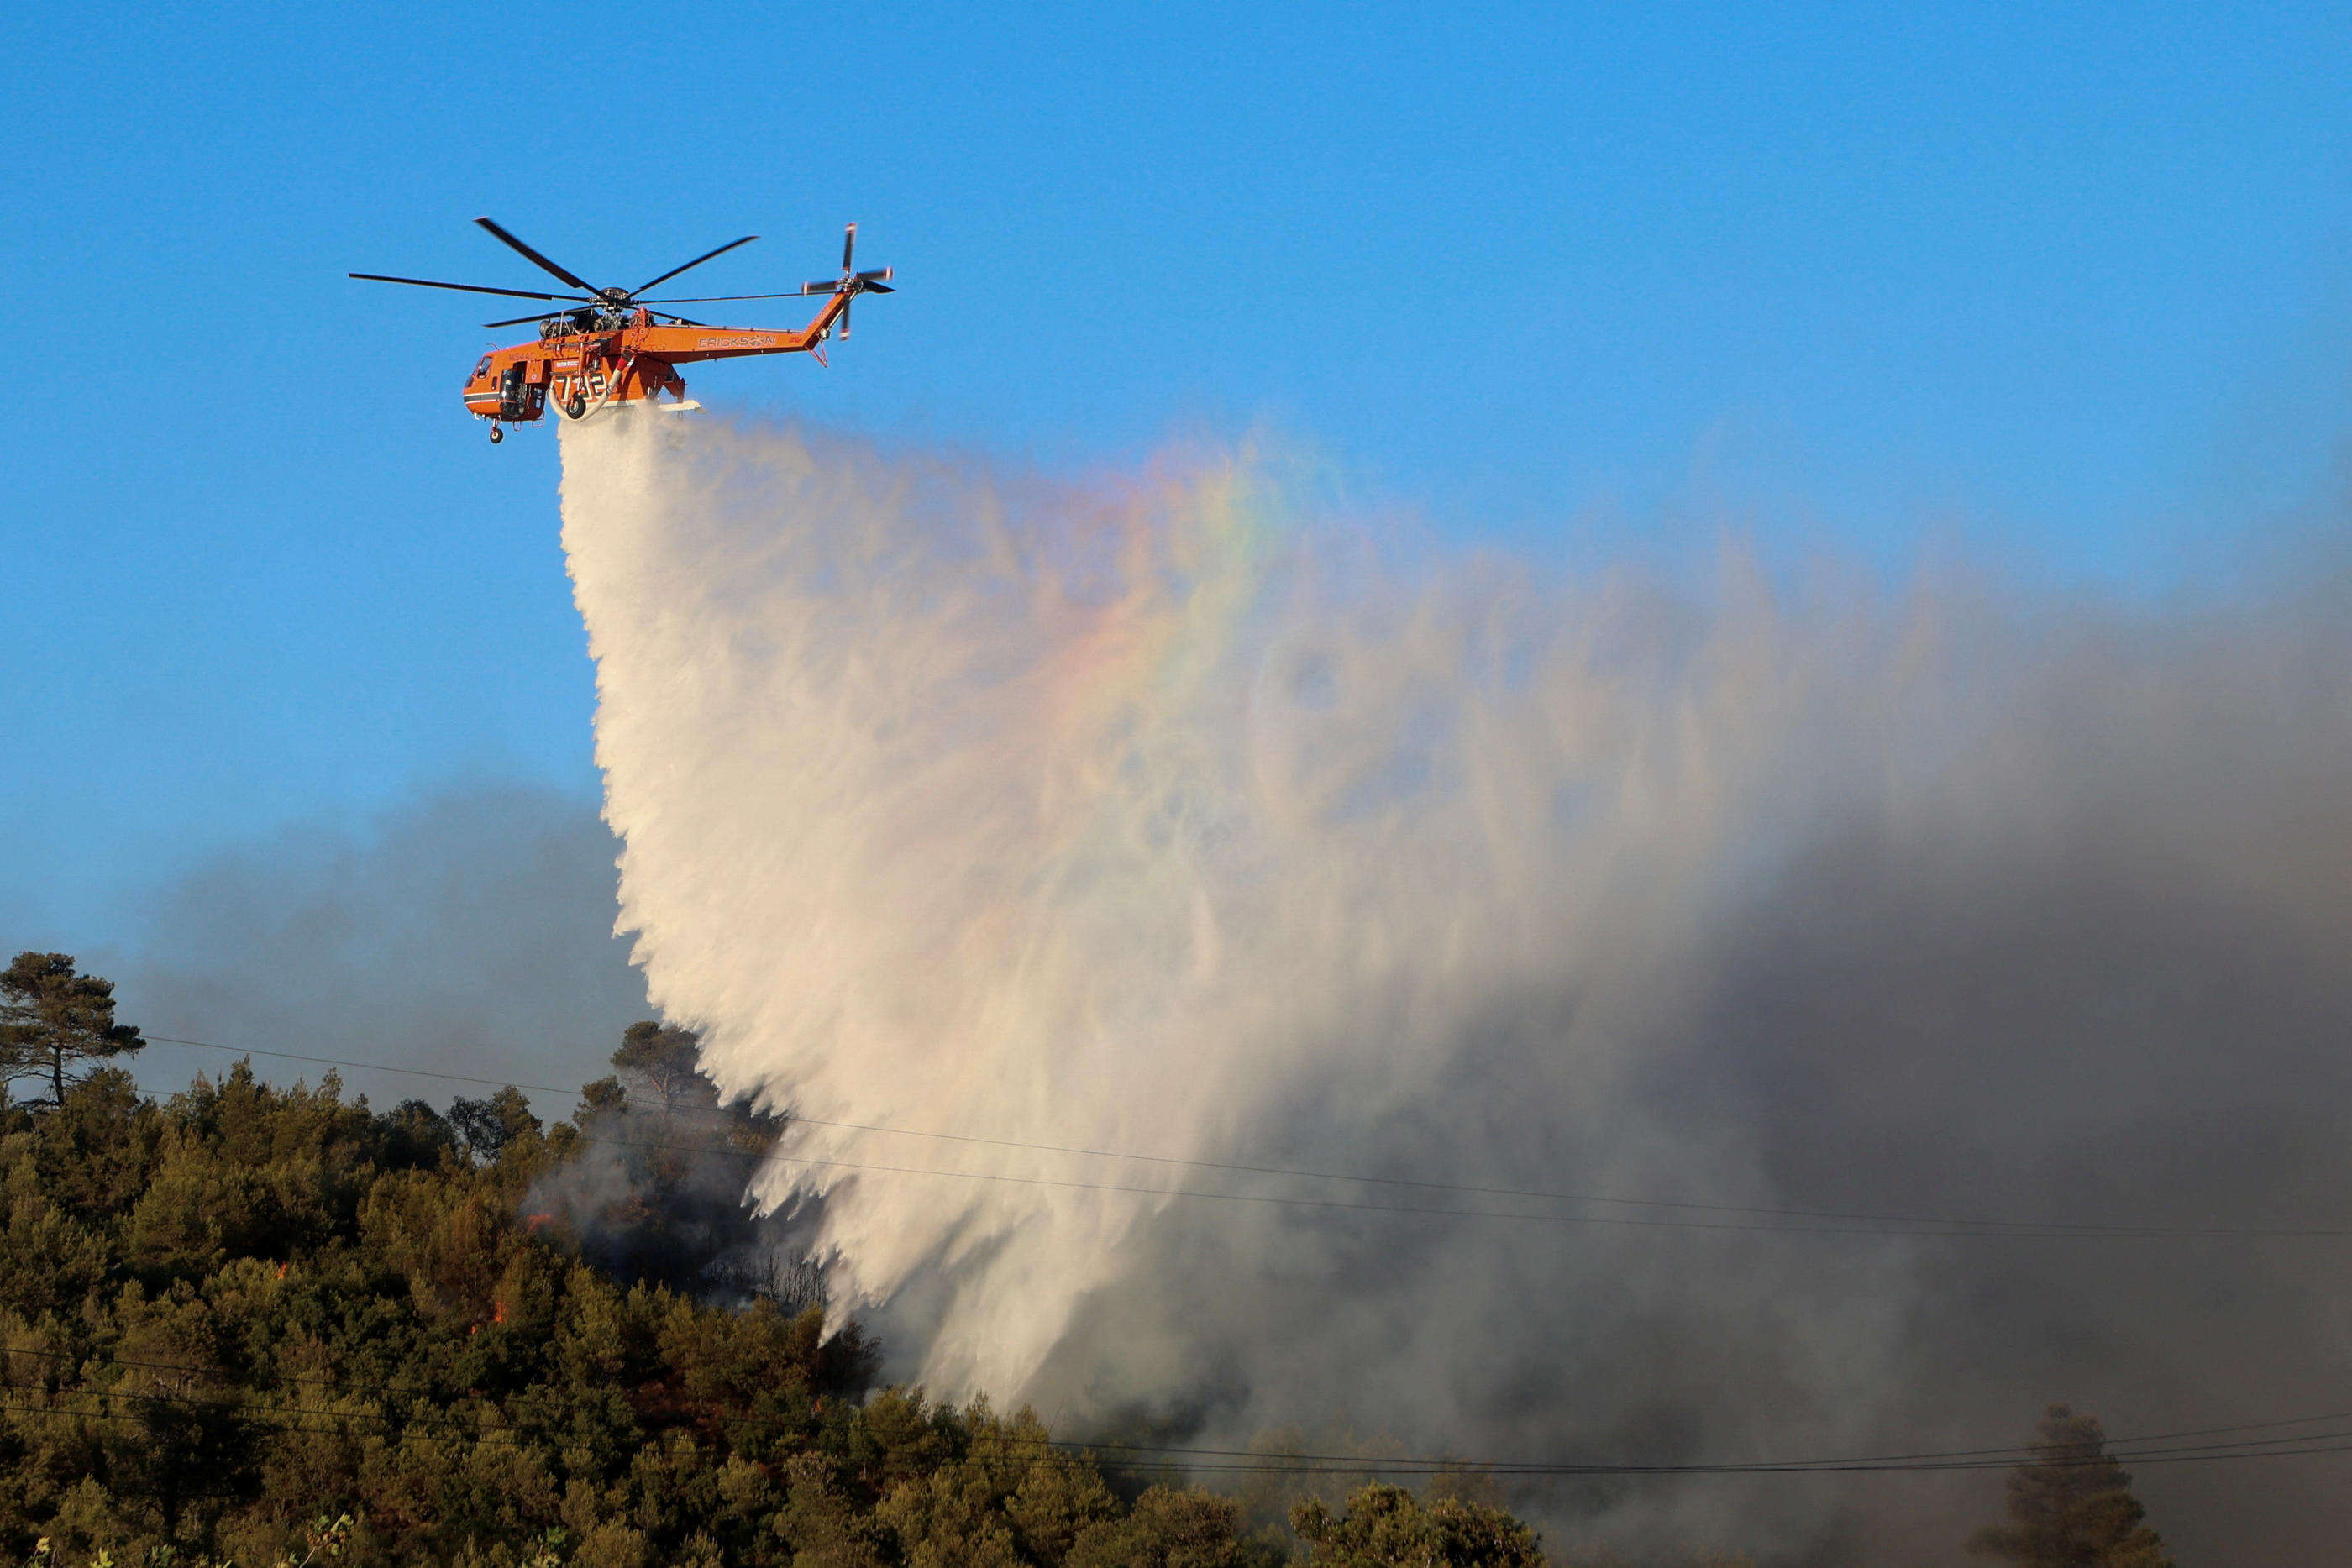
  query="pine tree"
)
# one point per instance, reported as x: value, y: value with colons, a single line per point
x: 53, y: 1020
x: 2071, y: 1506
x: 664, y: 1059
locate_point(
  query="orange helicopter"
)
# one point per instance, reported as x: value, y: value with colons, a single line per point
x: 608, y: 347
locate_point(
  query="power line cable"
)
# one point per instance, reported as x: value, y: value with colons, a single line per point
x: 2132, y: 1449
x: 1867, y: 1224
x: 1275, y: 1463
x: 1957, y: 1228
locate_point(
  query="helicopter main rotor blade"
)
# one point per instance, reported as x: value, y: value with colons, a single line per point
x: 466, y: 287
x: 721, y: 299
x: 697, y: 261
x: 533, y: 257
x: 657, y: 315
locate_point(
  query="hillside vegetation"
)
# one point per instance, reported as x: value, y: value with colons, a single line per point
x: 257, y: 1323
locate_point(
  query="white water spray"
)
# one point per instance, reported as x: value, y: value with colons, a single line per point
x: 1119, y: 816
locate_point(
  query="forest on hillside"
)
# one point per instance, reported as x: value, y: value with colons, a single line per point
x: 265, y: 1325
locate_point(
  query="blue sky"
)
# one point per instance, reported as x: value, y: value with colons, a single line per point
x: 2068, y: 284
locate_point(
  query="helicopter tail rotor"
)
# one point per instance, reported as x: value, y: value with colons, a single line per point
x: 874, y: 280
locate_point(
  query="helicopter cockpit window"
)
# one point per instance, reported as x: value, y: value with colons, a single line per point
x: 483, y: 369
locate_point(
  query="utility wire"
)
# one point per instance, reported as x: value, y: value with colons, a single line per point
x: 1273, y: 1464
x: 2126, y: 1450
x: 1621, y: 1221
x: 1863, y: 1224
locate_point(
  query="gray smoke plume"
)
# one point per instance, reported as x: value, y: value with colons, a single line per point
x: 468, y: 931
x: 1163, y: 813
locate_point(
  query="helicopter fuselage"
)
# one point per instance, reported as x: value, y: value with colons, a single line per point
x: 580, y: 371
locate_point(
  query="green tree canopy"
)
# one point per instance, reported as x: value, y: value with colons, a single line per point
x: 1167, y: 1528
x: 56, y: 1022
x: 661, y: 1059
x: 489, y: 1125
x: 1388, y: 1527
x: 2071, y: 1506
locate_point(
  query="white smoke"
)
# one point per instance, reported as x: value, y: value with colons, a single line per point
x: 1168, y: 812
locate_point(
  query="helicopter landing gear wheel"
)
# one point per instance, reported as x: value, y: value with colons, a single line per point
x: 578, y: 407
x: 497, y: 436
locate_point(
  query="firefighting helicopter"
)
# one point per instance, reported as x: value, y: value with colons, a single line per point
x: 608, y: 348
